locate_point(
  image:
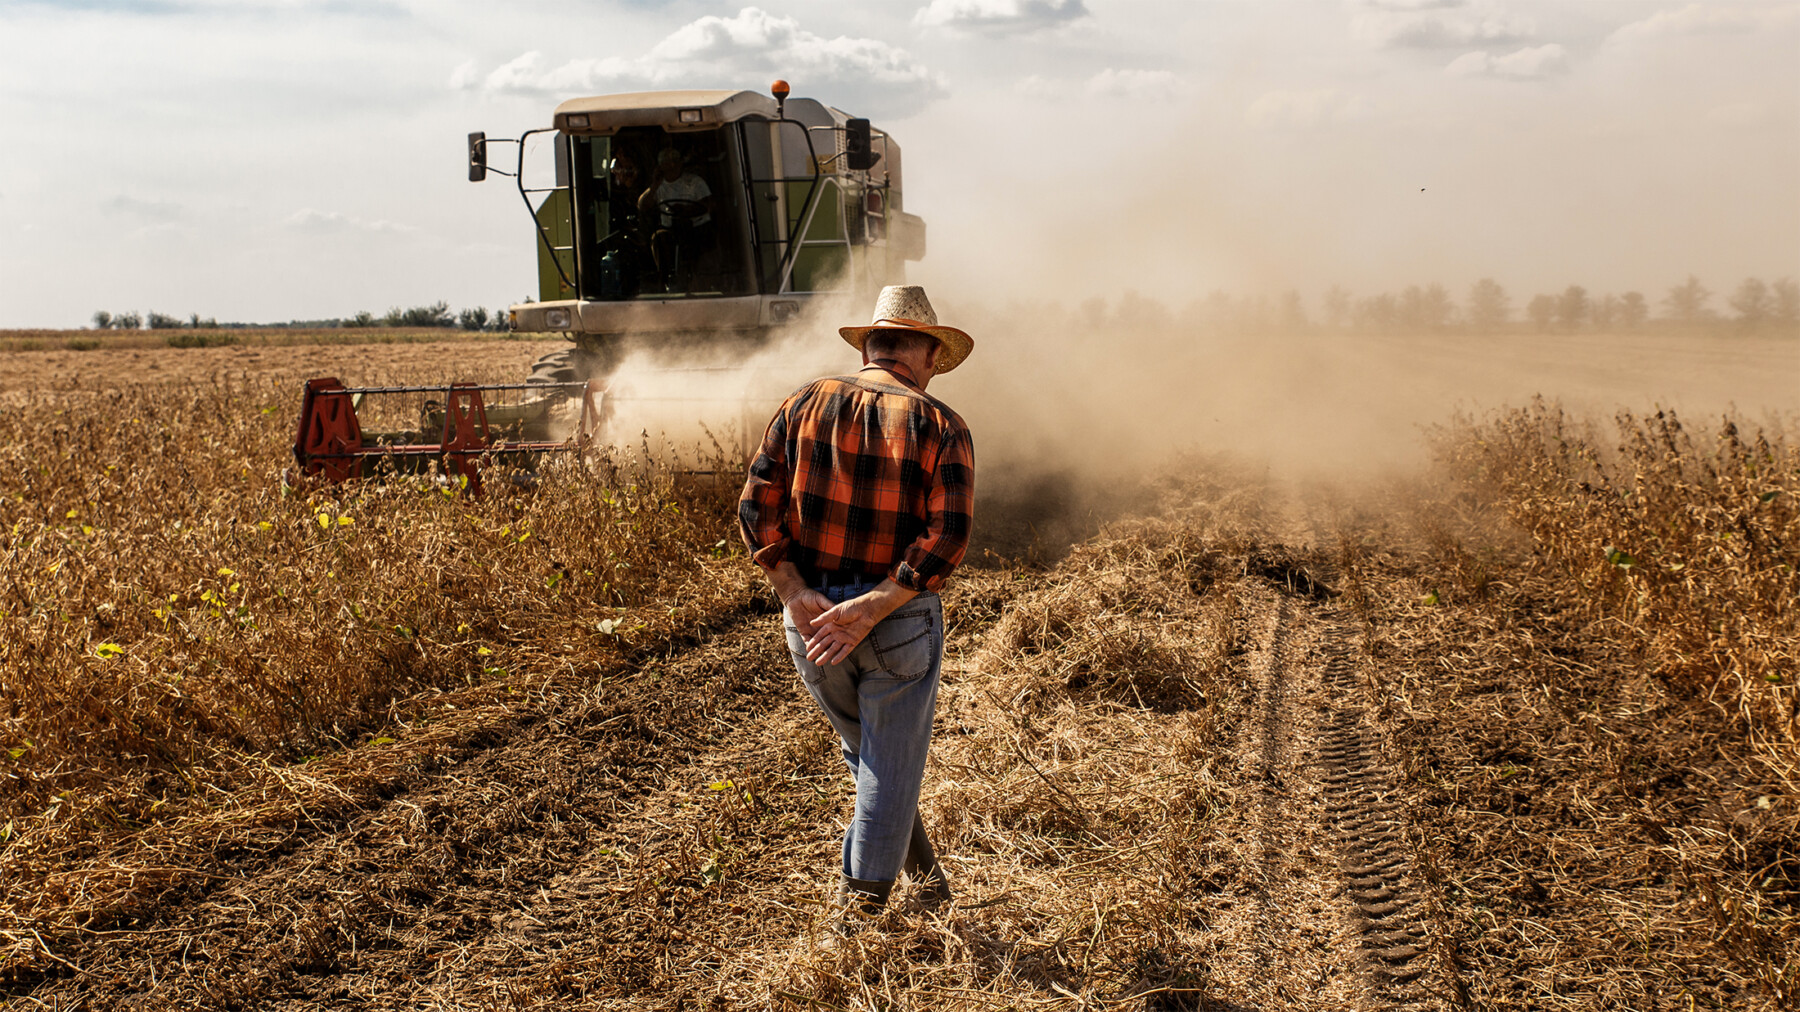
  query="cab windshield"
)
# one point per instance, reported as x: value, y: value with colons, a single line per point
x: 660, y: 214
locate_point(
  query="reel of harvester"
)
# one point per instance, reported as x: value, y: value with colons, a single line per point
x: 458, y: 435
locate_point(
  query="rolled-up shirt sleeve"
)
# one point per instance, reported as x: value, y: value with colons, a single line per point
x: 762, y: 509
x: 949, y: 516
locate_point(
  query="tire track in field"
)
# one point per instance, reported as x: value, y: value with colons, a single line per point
x: 1280, y: 937
x: 1369, y: 826
x: 1382, y: 892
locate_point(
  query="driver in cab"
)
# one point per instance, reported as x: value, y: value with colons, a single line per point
x: 623, y: 193
x: 681, y: 204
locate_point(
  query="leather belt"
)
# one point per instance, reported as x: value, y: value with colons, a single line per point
x: 842, y: 586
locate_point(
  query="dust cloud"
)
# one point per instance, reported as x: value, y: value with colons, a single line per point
x: 1073, y: 408
x: 1102, y: 400
x: 697, y: 402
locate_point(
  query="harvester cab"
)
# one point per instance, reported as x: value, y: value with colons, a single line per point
x: 686, y: 218
x: 677, y: 225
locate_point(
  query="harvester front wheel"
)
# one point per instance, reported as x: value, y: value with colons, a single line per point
x: 562, y: 366
x: 567, y: 365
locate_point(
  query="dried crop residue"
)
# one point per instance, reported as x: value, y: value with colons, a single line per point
x: 23, y: 372
x: 668, y: 835
x: 1278, y: 918
x: 1603, y: 831
x: 1259, y: 745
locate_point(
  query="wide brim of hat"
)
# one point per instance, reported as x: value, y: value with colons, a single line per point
x: 956, y: 344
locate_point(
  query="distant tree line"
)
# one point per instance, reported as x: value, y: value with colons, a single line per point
x: 1487, y: 308
x: 437, y: 314
x: 104, y: 320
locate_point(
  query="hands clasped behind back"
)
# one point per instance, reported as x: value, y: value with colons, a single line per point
x: 833, y: 631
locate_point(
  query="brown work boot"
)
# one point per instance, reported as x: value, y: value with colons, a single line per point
x: 922, y: 864
x: 858, y: 901
x: 865, y: 896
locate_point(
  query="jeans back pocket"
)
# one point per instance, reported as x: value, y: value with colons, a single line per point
x: 907, y: 643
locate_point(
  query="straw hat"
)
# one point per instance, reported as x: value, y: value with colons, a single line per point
x: 905, y: 307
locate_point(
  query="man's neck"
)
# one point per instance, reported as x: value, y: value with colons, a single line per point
x: 898, y: 368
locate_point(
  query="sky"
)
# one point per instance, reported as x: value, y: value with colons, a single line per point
x: 268, y: 160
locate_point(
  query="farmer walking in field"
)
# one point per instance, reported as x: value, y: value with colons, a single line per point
x: 858, y: 506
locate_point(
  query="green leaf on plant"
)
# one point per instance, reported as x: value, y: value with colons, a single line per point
x: 1619, y: 557
x: 1768, y: 496
x: 382, y: 741
x: 1430, y: 600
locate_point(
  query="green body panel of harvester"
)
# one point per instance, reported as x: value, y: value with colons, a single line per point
x: 801, y: 200
x: 556, y: 226
x: 746, y: 208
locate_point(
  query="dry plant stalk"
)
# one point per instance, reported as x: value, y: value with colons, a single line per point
x: 1691, y: 544
x: 1589, y: 652
x: 173, y: 620
x: 1080, y: 800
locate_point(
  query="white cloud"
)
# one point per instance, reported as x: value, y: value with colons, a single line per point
x: 466, y: 75
x: 1279, y: 110
x: 148, y: 210
x: 1110, y: 84
x: 1709, y: 19
x: 527, y: 74
x: 1533, y: 63
x: 753, y: 42
x: 1143, y: 85
x: 327, y: 222
x: 1000, y: 16
x: 1438, y: 24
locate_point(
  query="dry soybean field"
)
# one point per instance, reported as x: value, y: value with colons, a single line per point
x: 1514, y: 728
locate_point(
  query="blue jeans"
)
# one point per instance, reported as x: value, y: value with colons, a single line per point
x: 880, y: 701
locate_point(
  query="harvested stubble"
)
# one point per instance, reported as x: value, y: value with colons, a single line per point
x: 1074, y: 784
x: 105, y: 341
x: 644, y: 817
x: 176, y: 626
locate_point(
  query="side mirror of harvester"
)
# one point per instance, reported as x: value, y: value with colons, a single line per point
x: 477, y: 156
x: 857, y: 149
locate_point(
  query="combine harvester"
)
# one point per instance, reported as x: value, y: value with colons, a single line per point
x: 796, y: 201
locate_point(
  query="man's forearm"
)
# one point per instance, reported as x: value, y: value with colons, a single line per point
x: 878, y: 604
x: 785, y: 578
x: 887, y: 596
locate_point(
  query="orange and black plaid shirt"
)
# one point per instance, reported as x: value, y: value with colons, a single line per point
x: 862, y: 475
